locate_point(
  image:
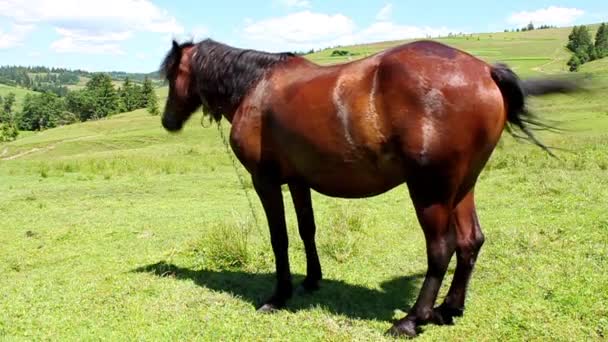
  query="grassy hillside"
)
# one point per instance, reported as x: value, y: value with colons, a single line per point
x: 19, y: 94
x: 116, y: 229
x: 529, y: 53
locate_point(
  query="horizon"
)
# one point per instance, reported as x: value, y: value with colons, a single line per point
x: 133, y: 36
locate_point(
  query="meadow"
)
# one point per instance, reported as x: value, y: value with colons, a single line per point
x: 115, y: 229
x: 20, y: 94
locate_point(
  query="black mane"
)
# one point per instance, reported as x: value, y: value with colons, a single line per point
x: 171, y: 61
x: 224, y: 74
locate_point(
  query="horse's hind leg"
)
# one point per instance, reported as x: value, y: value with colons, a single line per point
x: 435, y: 219
x: 300, y: 193
x: 469, y: 239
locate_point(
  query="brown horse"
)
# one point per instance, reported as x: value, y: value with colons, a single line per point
x: 422, y: 113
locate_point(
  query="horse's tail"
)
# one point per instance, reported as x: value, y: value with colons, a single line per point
x: 515, y: 91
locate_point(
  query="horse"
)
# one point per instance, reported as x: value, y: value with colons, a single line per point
x: 421, y: 113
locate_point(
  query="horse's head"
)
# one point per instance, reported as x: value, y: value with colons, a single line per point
x: 183, y: 98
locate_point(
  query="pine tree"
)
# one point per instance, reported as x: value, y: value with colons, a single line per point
x: 147, y: 92
x: 579, y: 38
x: 530, y: 26
x: 9, y: 102
x: 601, y: 41
x: 105, y: 96
x: 581, y: 43
x: 42, y: 111
x: 128, y: 96
x: 574, y: 63
x: 153, y: 105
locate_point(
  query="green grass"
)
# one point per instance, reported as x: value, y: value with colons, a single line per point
x: 115, y: 229
x: 19, y: 92
x: 529, y: 53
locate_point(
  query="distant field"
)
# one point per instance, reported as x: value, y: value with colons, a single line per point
x: 19, y: 94
x: 83, y: 82
x: 115, y: 229
x: 529, y: 53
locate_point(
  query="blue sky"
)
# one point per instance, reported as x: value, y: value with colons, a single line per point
x: 134, y: 35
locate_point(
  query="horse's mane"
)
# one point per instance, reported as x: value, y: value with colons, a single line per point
x: 224, y: 74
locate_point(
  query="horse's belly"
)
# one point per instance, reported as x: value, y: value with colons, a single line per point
x: 364, y: 178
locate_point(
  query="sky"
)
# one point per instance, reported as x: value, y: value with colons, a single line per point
x: 134, y: 35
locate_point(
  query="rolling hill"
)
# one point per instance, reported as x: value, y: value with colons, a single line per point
x: 529, y: 53
x: 19, y: 94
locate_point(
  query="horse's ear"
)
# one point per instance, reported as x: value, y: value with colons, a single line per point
x: 175, y: 45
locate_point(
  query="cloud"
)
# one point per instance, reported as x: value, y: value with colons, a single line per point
x: 199, y: 32
x: 15, y: 36
x: 307, y: 30
x: 559, y: 16
x: 71, y: 45
x: 94, y: 25
x: 84, y: 41
x: 384, y: 30
x: 385, y: 13
x: 299, y: 29
x: 295, y: 3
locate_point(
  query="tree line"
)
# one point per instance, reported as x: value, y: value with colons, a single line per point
x: 98, y: 99
x: 57, y: 80
x: 584, y: 48
x: 531, y: 27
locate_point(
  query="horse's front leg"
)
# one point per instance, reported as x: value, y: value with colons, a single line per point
x: 272, y: 201
x: 302, y: 202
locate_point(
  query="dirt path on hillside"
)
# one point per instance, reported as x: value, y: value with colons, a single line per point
x: 40, y: 149
x: 555, y: 59
x: 25, y: 153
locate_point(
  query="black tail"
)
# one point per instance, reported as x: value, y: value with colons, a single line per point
x: 514, y: 91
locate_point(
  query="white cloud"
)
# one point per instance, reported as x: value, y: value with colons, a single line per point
x: 307, y: 30
x: 71, y: 45
x: 83, y: 41
x: 15, y: 36
x: 299, y: 29
x: 295, y: 3
x: 552, y: 15
x: 385, y: 30
x: 199, y: 32
x: 94, y: 25
x: 385, y: 13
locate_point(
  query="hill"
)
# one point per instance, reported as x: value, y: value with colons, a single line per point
x: 19, y: 92
x: 60, y: 80
x: 115, y: 229
x: 528, y: 53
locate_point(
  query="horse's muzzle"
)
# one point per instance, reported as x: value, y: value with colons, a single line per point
x: 171, y: 124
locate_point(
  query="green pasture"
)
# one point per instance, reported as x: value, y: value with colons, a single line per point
x: 117, y: 230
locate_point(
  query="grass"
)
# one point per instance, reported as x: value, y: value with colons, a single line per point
x: 19, y: 92
x: 115, y: 229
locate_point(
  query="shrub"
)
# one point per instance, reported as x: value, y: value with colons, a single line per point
x: 8, y: 132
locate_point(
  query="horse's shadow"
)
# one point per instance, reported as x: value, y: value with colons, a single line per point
x: 338, y: 297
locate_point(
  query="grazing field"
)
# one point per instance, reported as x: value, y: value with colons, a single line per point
x: 116, y: 229
x: 20, y: 94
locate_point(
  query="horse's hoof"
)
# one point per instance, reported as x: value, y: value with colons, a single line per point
x: 307, y: 287
x: 268, y: 308
x: 403, y: 329
x: 444, y: 315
